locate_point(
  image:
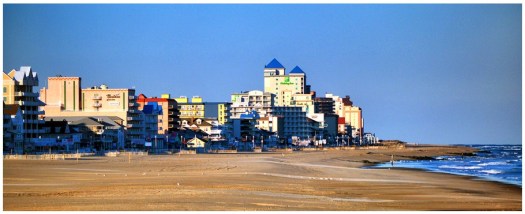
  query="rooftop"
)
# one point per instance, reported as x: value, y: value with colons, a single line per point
x: 297, y: 70
x: 274, y: 64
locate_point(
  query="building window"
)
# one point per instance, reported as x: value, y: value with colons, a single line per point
x: 160, y: 128
x: 5, y: 89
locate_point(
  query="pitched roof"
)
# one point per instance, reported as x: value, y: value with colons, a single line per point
x: 274, y: 64
x: 11, y: 109
x: 296, y: 70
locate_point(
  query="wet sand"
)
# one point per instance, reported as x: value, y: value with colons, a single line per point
x: 299, y: 181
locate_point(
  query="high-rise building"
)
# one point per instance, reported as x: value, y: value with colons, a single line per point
x: 261, y: 102
x: 168, y: 117
x: 353, y: 116
x: 18, y: 89
x: 284, y: 86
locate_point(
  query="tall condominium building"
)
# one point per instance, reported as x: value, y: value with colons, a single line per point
x: 261, y: 102
x: 284, y: 86
x: 18, y: 89
x: 295, y: 121
x: 353, y: 116
x: 62, y: 93
x: 168, y: 117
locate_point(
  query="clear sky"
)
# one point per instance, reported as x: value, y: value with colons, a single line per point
x: 439, y: 74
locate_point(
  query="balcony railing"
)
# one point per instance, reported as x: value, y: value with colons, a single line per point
x: 131, y: 97
x: 97, y: 105
x: 170, y: 106
x: 133, y: 118
x: 134, y: 125
x: 26, y: 94
x: 96, y: 97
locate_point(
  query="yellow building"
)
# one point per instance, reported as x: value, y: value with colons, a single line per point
x: 195, y: 109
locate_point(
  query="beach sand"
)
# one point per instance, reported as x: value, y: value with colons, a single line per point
x: 298, y: 181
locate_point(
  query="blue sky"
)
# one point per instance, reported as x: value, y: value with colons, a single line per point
x: 437, y: 74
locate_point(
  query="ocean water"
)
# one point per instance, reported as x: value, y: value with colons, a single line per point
x: 500, y: 163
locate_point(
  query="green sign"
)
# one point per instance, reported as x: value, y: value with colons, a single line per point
x: 287, y: 81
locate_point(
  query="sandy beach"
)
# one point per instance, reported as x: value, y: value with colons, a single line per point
x: 298, y: 181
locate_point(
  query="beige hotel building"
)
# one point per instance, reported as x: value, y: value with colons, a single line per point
x: 65, y: 98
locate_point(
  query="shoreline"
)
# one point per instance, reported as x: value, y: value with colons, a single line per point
x: 307, y: 181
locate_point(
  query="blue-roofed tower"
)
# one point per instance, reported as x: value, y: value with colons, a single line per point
x: 285, y: 87
x: 274, y: 68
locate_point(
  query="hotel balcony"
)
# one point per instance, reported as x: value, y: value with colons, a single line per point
x: 170, y: 112
x: 170, y: 119
x: 27, y: 103
x: 134, y: 125
x: 26, y: 94
x: 133, y: 111
x: 134, y: 118
x: 170, y: 126
x: 170, y: 106
x: 96, y: 97
x: 131, y: 97
x: 132, y: 104
x: 97, y: 105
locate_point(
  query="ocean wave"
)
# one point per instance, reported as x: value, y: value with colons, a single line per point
x: 458, y: 167
x: 491, y: 171
x: 493, y: 163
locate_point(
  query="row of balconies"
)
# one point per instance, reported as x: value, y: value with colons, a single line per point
x: 134, y: 118
x: 33, y: 121
x: 29, y: 103
x: 32, y: 112
x: 134, y: 125
x: 26, y: 94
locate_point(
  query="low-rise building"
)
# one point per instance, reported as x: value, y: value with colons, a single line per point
x: 13, y: 136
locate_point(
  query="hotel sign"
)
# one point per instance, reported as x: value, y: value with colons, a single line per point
x: 112, y: 96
